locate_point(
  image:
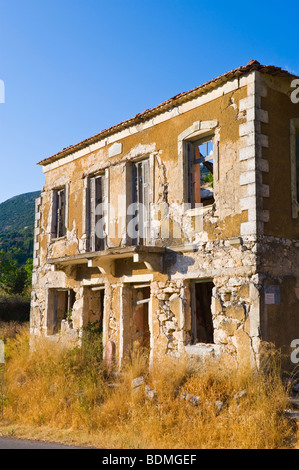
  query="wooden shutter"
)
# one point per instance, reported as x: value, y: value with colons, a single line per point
x: 61, y: 213
x: 55, y: 319
x: 141, y: 196
x: 97, y: 195
x: 196, y: 177
x: 146, y: 200
x: 99, y: 214
x: 92, y: 194
x: 70, y: 300
x: 86, y: 213
x: 106, y: 200
x: 54, y: 214
x: 66, y: 208
x: 134, y: 194
x: 193, y: 311
x: 189, y: 172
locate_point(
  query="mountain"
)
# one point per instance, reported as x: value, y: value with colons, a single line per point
x: 17, y: 225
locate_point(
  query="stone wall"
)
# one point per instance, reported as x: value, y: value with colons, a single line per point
x: 236, y: 247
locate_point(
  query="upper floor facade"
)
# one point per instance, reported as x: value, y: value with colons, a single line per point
x: 218, y: 162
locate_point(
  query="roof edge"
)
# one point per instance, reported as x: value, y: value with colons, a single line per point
x: 168, y: 104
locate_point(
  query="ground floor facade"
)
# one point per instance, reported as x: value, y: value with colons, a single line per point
x: 185, y: 301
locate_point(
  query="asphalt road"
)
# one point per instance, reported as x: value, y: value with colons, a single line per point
x: 10, y: 443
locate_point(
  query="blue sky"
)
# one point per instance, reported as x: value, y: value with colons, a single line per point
x: 72, y: 68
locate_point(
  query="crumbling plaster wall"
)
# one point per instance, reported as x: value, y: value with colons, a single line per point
x: 159, y: 142
x: 235, y: 309
x: 226, y: 247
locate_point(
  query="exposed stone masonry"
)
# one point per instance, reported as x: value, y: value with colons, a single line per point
x: 245, y: 246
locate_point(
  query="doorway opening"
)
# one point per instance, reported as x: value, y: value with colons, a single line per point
x: 60, y: 305
x: 141, y: 329
x: 201, y: 314
x: 96, y: 309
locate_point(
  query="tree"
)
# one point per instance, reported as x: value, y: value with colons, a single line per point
x: 14, y: 279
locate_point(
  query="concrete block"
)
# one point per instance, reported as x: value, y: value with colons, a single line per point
x: 251, y: 164
x: 247, y: 103
x: 247, y: 152
x: 247, y: 178
x: 248, y: 228
x: 266, y: 216
x: 264, y: 190
x: 262, y: 116
x: 248, y: 203
x: 246, y: 128
x: 263, y: 140
x: 263, y: 165
x: 251, y: 189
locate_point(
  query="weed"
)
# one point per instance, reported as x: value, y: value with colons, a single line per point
x: 57, y: 388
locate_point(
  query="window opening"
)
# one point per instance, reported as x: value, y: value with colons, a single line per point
x: 96, y: 307
x: 202, y: 323
x: 59, y: 211
x: 141, y: 300
x: 140, y: 197
x: 60, y: 308
x: 200, y: 172
x: 96, y: 209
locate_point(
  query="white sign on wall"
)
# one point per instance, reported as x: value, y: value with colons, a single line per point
x: 272, y: 295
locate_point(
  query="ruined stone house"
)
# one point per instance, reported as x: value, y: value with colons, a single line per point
x: 208, y: 183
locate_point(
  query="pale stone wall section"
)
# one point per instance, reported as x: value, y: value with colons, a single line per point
x: 231, y: 263
x: 251, y: 157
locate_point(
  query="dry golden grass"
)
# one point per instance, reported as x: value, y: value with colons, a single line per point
x: 11, y: 329
x: 55, y: 394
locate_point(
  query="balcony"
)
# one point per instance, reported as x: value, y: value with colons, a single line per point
x: 152, y: 257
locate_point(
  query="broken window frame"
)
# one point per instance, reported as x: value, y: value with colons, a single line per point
x: 100, y: 289
x: 194, y: 326
x: 59, y: 212
x: 194, y: 160
x: 53, y: 328
x: 141, y: 197
x: 96, y: 192
x: 198, y: 130
x: 143, y: 289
